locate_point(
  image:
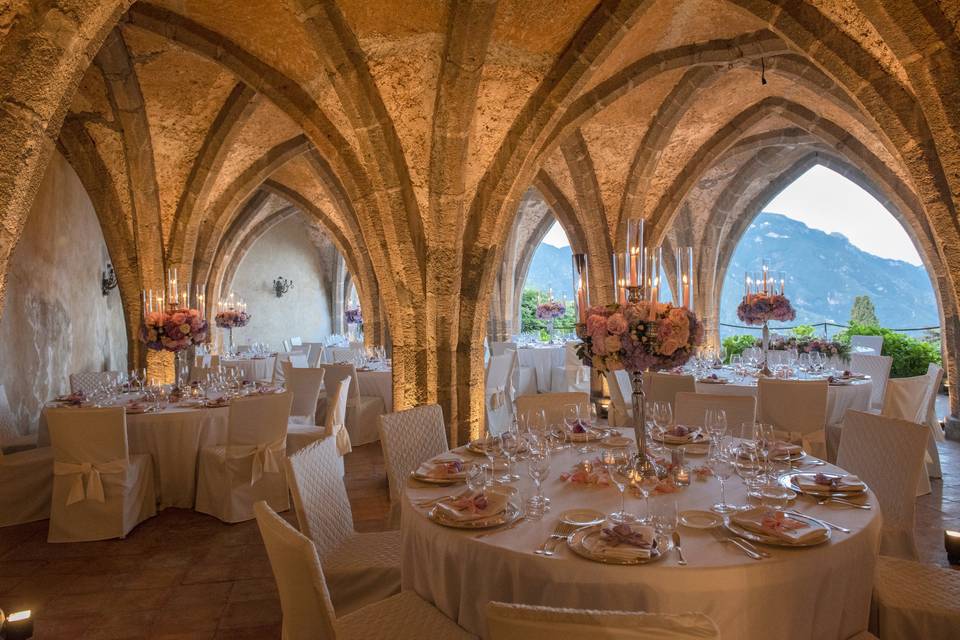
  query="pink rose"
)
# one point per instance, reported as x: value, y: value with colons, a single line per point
x: 612, y: 344
x: 617, y: 324
x: 669, y: 346
x: 596, y: 323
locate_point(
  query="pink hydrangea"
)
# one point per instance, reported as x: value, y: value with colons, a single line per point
x: 617, y: 324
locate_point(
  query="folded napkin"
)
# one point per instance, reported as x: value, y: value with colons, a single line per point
x: 622, y: 542
x: 779, y: 525
x: 679, y: 434
x: 442, y: 469
x: 829, y: 482
x: 473, y: 507
x: 713, y: 379
x: 783, y: 449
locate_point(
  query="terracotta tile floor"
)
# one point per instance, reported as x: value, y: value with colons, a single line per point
x: 186, y: 575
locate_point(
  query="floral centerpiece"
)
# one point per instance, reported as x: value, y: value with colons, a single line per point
x: 173, y: 330
x: 231, y: 318
x: 760, y: 308
x: 353, y: 316
x: 550, y: 311
x: 828, y: 348
x: 638, y: 336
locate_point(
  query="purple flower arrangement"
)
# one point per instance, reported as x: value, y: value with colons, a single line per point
x: 231, y: 319
x: 551, y: 310
x: 758, y: 308
x: 638, y: 336
x: 353, y: 316
x: 173, y: 330
x: 828, y: 348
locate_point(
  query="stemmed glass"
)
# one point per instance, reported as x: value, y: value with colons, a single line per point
x: 474, y: 477
x: 510, y: 444
x: 617, y: 464
x: 492, y: 449
x: 662, y: 416
x: 538, y: 467
x: 721, y: 464
x: 666, y: 517
x: 715, y: 420
x: 736, y: 361
x: 646, y: 484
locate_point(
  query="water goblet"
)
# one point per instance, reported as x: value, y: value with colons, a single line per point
x: 720, y: 463
x: 538, y: 468
x: 510, y: 444
x: 646, y: 484
x: 492, y: 449
x: 666, y: 517
x: 474, y: 477
x: 617, y: 464
x: 715, y: 420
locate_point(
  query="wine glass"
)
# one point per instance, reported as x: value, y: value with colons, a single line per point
x: 715, y: 420
x: 492, y: 449
x: 662, y: 415
x: 617, y: 464
x: 510, y: 444
x: 474, y: 477
x: 538, y: 468
x: 646, y: 484
x: 666, y: 517
x: 736, y: 361
x: 720, y: 463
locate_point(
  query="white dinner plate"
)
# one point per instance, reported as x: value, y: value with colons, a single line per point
x: 774, y: 541
x: 617, y: 441
x: 695, y: 519
x: 582, y: 517
x: 579, y: 543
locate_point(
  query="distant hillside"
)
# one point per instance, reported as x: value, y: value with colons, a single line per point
x: 824, y: 274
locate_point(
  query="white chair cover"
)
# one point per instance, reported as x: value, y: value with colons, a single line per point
x: 691, y: 409
x: 340, y: 355
x: 26, y: 484
x: 620, y: 386
x: 282, y: 356
x: 362, y: 411
x: 308, y: 612
x: 873, y: 343
x: 905, y: 398
x: 89, y: 381
x: 249, y: 468
x: 573, y: 375
x: 878, y: 368
x: 99, y: 490
x: 664, y: 386
x: 299, y: 360
x: 798, y: 408
x: 286, y: 345
x: 336, y: 422
x: 11, y: 440
x: 409, y: 438
x: 524, y: 378
x: 296, y: 341
x: 553, y: 404
x: 934, y: 379
x: 497, y: 391
x: 916, y: 600
x: 314, y: 353
x: 887, y: 454
x: 306, y: 385
x: 525, y: 622
x: 361, y: 567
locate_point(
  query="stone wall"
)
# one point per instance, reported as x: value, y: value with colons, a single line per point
x: 285, y: 250
x: 56, y: 320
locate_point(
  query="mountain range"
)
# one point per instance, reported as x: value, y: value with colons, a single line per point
x: 824, y: 273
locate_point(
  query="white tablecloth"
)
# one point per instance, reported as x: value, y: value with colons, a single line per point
x: 173, y: 438
x: 543, y: 359
x: 377, y: 383
x: 821, y: 592
x: 839, y: 398
x: 253, y: 368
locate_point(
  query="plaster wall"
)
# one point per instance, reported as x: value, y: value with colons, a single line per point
x: 285, y: 250
x: 56, y: 320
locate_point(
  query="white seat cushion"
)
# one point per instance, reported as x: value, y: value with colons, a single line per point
x: 916, y: 600
x: 363, y: 569
x: 405, y: 615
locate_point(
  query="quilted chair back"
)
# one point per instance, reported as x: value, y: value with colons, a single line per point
x: 887, y: 454
x: 259, y: 419
x: 90, y: 381
x: 319, y: 496
x: 307, y: 610
x: 409, y: 438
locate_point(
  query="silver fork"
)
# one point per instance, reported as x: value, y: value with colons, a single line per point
x: 558, y: 538
x: 748, y: 550
x: 542, y: 550
x: 843, y: 502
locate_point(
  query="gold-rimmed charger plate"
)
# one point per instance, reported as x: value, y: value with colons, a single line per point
x: 575, y: 541
x: 509, y: 515
x: 774, y: 541
x: 787, y: 480
x: 443, y: 482
x: 703, y: 438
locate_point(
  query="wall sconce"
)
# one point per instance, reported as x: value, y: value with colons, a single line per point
x: 108, y: 279
x: 18, y: 625
x: 281, y: 285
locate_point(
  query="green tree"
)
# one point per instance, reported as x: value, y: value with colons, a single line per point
x: 804, y: 331
x: 863, y: 312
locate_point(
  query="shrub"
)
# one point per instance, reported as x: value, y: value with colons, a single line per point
x: 910, y: 356
x: 734, y: 345
x: 804, y: 331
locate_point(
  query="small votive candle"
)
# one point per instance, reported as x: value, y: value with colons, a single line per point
x: 951, y: 540
x: 19, y: 626
x: 681, y: 475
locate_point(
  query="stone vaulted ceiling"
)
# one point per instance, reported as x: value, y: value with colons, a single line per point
x: 410, y: 132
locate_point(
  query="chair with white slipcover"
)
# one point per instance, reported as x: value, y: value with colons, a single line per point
x: 334, y: 425
x: 26, y: 485
x: 887, y: 454
x: 691, y: 409
x: 361, y: 568
x: 362, y: 411
x: 497, y: 392
x: 524, y: 378
x: 573, y: 375
x: 915, y: 600
x: 340, y: 355
x: 296, y: 341
x: 278, y: 360
x: 11, y: 440
x: 798, y: 408
x: 306, y: 385
x: 286, y: 345
x: 664, y: 387
x: 620, y: 413
x: 908, y: 399
x: 100, y: 491
x: 525, y: 622
x: 308, y: 613
x: 314, y: 353
x: 553, y: 405
x: 409, y: 438
x: 869, y: 345
x: 230, y: 478
x: 87, y: 382
x: 878, y: 368
x: 929, y: 418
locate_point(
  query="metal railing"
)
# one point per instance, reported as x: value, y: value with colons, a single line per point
x: 825, y: 325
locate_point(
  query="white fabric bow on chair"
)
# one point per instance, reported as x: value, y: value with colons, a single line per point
x: 92, y: 489
x: 266, y: 457
x: 343, y: 439
x: 498, y: 398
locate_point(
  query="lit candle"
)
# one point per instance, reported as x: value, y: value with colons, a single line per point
x: 764, y: 278
x: 635, y: 251
x: 686, y: 292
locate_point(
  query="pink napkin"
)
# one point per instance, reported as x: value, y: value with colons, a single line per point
x: 475, y: 507
x: 778, y: 524
x: 442, y: 469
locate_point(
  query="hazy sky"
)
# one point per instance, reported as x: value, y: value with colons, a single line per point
x: 825, y: 200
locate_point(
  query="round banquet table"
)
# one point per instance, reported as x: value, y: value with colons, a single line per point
x: 543, y: 359
x: 820, y: 592
x: 855, y: 395
x: 173, y: 437
x: 253, y: 369
x: 377, y: 382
